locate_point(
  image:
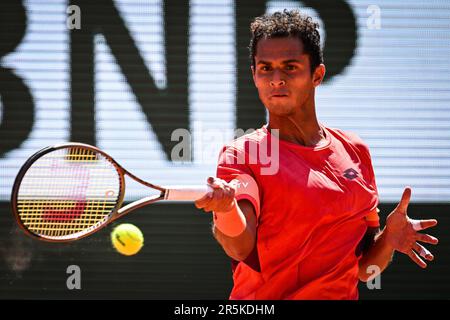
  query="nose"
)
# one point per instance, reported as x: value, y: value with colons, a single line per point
x: 277, y: 83
x: 277, y: 80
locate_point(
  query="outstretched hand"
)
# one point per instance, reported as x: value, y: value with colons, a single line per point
x: 402, y: 232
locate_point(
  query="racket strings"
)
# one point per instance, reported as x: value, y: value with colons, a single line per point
x: 68, y: 192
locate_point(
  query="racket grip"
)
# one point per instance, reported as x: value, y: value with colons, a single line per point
x: 184, y: 193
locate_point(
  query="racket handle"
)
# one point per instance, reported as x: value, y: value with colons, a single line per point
x: 185, y: 193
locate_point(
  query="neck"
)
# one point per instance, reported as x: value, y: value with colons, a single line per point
x: 301, y: 128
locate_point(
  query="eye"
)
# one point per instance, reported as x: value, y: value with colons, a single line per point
x: 291, y: 67
x: 265, y: 68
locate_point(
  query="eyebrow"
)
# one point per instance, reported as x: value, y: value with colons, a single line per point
x: 283, y: 62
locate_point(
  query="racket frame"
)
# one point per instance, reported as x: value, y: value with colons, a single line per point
x: 116, y: 212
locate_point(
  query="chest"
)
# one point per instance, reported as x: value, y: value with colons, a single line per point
x: 316, y: 188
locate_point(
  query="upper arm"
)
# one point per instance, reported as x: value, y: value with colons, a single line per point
x: 250, y: 215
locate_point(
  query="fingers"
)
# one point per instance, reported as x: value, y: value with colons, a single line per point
x: 205, y: 200
x: 215, y: 182
x: 426, y: 238
x: 414, y: 257
x: 217, y: 197
x: 220, y: 199
x: 423, y: 252
x: 423, y: 224
x: 200, y: 203
x: 404, y: 201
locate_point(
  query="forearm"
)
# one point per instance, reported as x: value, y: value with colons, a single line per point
x: 240, y: 246
x: 379, y: 254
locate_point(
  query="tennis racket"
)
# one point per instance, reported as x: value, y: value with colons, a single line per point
x: 66, y: 192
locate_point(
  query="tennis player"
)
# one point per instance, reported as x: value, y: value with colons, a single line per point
x: 310, y: 229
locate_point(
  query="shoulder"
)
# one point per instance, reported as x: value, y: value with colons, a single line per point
x: 350, y: 138
x: 239, y: 156
x: 244, y: 143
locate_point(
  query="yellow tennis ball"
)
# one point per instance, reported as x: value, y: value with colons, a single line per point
x: 127, y: 239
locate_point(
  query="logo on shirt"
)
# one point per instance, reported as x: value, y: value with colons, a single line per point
x: 350, y: 174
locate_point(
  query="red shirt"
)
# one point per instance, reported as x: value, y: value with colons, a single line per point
x: 314, y: 210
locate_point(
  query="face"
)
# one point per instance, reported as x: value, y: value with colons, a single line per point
x: 282, y: 75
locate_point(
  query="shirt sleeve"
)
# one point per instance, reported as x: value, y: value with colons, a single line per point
x: 372, y: 218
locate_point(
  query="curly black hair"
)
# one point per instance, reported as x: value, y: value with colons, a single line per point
x: 285, y: 24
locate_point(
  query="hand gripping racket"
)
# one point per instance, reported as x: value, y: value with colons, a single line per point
x: 69, y: 191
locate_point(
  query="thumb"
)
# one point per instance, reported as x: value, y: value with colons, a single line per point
x: 213, y: 182
x: 404, y: 201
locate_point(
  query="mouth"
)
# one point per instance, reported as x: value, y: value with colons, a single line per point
x: 278, y: 95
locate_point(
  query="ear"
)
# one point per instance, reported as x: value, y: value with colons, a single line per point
x: 318, y: 74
